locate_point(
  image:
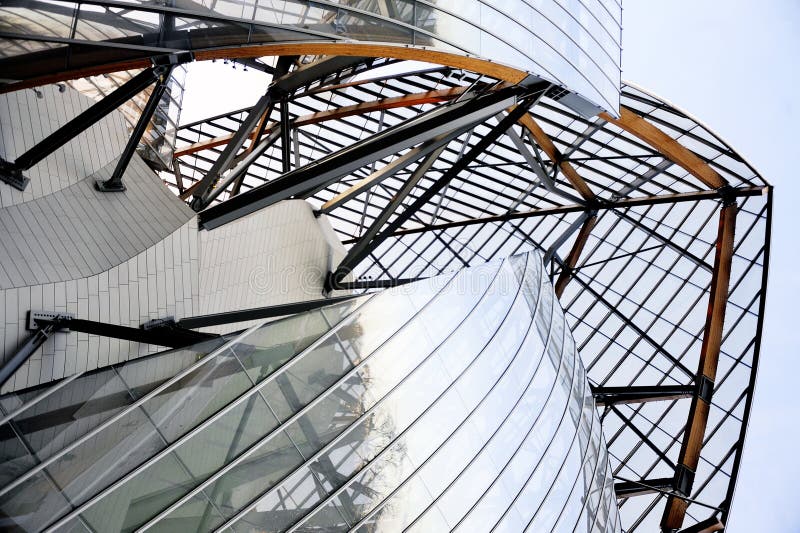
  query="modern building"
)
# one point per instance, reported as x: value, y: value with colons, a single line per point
x: 448, y: 272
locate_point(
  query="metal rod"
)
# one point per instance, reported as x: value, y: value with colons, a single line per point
x: 114, y: 183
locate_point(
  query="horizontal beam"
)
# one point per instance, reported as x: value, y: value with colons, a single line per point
x: 737, y: 192
x: 640, y: 394
x: 667, y: 146
x: 630, y: 489
x: 271, y: 311
x: 373, y: 284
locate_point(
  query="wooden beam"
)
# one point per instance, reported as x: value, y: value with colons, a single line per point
x: 667, y: 146
x: 408, y: 100
x: 709, y: 525
x: 553, y: 153
x: 361, y: 49
x: 572, y: 259
x: 689, y: 456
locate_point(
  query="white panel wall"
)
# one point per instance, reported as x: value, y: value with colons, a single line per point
x: 278, y: 255
x: 26, y: 119
x: 158, y: 282
x: 126, y: 258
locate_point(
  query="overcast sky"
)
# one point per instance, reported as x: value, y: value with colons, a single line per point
x: 734, y: 65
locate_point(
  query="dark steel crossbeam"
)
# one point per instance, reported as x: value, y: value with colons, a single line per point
x: 242, y: 315
x: 114, y: 183
x: 25, y: 350
x: 509, y: 120
x: 279, y: 90
x: 640, y: 394
x: 374, y: 284
x: 357, y: 251
x: 44, y: 325
x: 11, y: 172
x: 658, y: 451
x: 736, y: 192
x: 223, y: 162
x: 629, y: 489
x: 329, y: 169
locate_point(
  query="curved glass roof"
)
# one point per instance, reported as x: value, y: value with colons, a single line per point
x: 654, y: 231
x: 633, y: 239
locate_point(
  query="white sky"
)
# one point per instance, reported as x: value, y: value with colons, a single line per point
x: 734, y: 65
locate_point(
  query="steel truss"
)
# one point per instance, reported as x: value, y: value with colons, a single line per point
x: 627, y: 215
x: 656, y: 234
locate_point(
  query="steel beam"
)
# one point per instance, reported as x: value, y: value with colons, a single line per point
x: 236, y: 175
x: 223, y: 162
x: 114, y: 183
x: 555, y: 156
x: 535, y: 163
x: 365, y: 247
x: 242, y: 315
x: 11, y: 172
x: 640, y: 394
x: 360, y: 249
x: 630, y: 489
x: 434, y: 145
x: 319, y: 174
x: 25, y: 350
x: 374, y: 284
x: 286, y: 136
x: 689, y: 455
x: 738, y: 192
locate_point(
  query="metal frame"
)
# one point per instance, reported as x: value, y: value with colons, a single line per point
x: 626, y: 209
x: 662, y: 217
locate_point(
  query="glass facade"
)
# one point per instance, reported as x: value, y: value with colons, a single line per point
x: 573, y: 42
x: 453, y: 403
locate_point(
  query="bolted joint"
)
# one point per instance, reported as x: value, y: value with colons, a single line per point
x: 168, y: 321
x: 12, y: 175
x: 705, y: 389
x: 728, y: 195
x: 684, y: 479
x: 169, y: 60
x: 109, y: 185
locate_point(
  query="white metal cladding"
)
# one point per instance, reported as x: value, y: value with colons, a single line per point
x: 454, y: 403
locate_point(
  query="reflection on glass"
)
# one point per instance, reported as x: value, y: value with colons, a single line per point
x: 456, y: 403
x: 575, y: 42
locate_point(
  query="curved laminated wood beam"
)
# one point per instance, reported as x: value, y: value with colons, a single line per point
x: 546, y: 143
x: 689, y: 456
x: 666, y: 146
x: 574, y: 255
x: 362, y: 49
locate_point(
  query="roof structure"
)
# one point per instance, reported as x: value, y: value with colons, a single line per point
x: 634, y: 216
x: 655, y: 231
